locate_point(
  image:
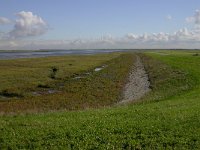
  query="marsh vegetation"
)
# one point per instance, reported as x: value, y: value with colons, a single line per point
x: 167, y: 117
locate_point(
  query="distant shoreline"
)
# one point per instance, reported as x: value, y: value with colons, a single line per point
x: 16, y: 54
x: 45, y: 53
x: 50, y: 50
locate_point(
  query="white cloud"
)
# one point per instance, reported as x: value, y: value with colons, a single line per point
x: 4, y: 21
x: 178, y: 36
x: 195, y: 18
x: 189, y: 19
x: 28, y: 25
x: 169, y: 17
x: 131, y: 36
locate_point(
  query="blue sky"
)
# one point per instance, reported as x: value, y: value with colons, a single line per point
x: 90, y: 20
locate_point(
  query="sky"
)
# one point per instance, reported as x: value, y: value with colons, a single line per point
x: 96, y: 24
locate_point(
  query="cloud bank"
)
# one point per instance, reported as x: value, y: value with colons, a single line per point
x: 29, y: 25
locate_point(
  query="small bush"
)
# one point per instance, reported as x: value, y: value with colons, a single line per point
x: 43, y: 85
x: 7, y: 93
x: 196, y: 54
x: 53, y: 73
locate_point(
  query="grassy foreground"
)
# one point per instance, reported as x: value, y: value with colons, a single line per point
x: 81, y: 87
x: 20, y: 76
x: 169, y: 120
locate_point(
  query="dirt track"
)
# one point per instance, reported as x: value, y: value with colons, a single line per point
x: 138, y: 84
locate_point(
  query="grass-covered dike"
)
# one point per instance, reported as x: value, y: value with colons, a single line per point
x: 166, y: 118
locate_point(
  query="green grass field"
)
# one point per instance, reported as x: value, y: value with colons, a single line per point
x: 96, y: 89
x: 166, y: 118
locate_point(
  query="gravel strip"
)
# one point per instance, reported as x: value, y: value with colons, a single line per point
x: 138, y: 84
